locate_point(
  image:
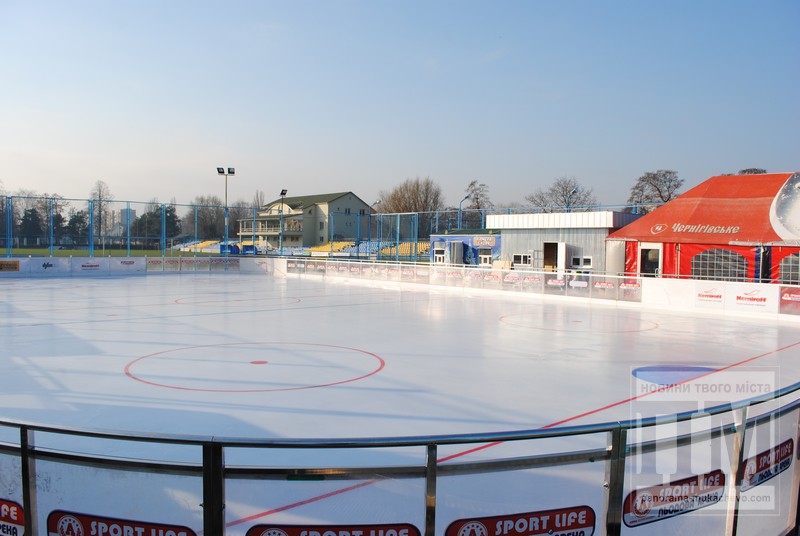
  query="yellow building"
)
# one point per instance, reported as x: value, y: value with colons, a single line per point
x: 305, y: 221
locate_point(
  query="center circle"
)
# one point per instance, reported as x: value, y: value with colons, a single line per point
x: 225, y: 368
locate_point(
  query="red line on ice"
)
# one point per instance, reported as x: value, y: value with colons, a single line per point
x: 495, y: 443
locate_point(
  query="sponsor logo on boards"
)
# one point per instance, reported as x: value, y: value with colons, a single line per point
x: 60, y: 523
x: 394, y: 529
x: 656, y: 503
x: 711, y: 294
x: 751, y: 298
x: 572, y: 521
x: 9, y: 266
x: 12, y: 519
x: 767, y: 464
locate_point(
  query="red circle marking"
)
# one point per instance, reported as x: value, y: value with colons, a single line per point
x: 129, y: 372
x: 259, y: 362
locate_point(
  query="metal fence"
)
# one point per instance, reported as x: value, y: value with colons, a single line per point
x: 53, y: 226
x: 604, y: 477
x: 89, y: 227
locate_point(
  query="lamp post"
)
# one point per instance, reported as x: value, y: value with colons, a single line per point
x: 231, y: 171
x: 569, y: 198
x: 459, y: 209
x: 280, y: 219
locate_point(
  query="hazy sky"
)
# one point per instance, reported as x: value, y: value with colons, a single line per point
x: 327, y: 96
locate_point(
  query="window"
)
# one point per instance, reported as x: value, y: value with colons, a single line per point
x: 790, y: 270
x: 321, y: 225
x: 581, y: 262
x: 523, y: 259
x: 719, y: 265
x: 347, y: 211
x: 438, y: 255
x: 485, y: 256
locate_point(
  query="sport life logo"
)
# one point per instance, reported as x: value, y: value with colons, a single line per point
x: 473, y: 528
x: 571, y: 521
x: 663, y: 501
x: 766, y: 465
x: 69, y: 526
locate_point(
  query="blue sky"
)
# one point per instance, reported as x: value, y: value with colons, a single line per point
x: 326, y: 96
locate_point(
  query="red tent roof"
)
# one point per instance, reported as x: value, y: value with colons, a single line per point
x: 747, y: 209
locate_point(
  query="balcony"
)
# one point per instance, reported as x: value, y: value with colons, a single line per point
x: 290, y: 227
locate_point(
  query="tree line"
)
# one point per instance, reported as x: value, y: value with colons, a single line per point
x: 35, y: 215
x: 650, y: 190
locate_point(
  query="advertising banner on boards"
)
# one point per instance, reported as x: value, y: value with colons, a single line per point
x: 50, y: 266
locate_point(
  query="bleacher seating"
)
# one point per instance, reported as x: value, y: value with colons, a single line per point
x: 406, y: 249
x: 335, y: 247
x: 200, y: 246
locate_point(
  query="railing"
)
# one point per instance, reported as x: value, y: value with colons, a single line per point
x: 598, y: 478
x: 727, y: 469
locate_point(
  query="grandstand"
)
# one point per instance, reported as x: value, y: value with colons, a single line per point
x: 406, y: 249
x: 334, y: 247
x: 205, y: 246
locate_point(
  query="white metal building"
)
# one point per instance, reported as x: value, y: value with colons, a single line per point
x: 557, y: 241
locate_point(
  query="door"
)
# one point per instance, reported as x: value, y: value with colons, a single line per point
x: 650, y: 259
x: 555, y: 256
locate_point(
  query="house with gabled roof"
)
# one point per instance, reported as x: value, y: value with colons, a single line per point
x: 305, y: 221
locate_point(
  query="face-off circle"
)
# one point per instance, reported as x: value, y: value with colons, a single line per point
x: 254, y: 367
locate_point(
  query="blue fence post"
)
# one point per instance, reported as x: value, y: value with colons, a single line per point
x: 397, y: 241
x: 128, y: 228
x: 255, y: 215
x: 50, y: 225
x: 9, y: 225
x: 90, y: 245
x: 163, y: 230
x: 358, y: 235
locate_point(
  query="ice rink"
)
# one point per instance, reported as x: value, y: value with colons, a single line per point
x: 251, y: 356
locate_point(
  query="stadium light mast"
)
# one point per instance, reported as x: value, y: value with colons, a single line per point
x: 221, y: 171
x: 459, y: 208
x: 569, y: 198
x: 280, y: 225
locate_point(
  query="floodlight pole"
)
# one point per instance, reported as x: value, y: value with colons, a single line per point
x: 231, y: 171
x: 280, y: 224
x: 459, y: 209
x: 569, y: 198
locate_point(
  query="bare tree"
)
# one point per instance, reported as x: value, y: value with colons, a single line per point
x: 413, y: 195
x: 209, y: 216
x: 752, y: 171
x: 101, y: 195
x: 566, y: 194
x: 240, y: 210
x: 259, y: 199
x: 478, y: 195
x: 24, y: 200
x: 654, y: 187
